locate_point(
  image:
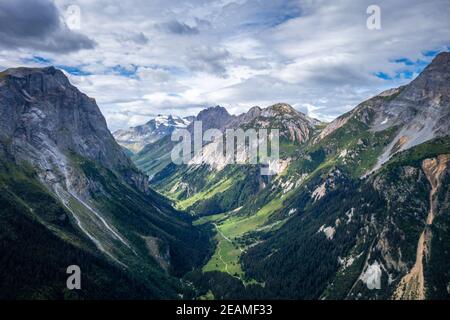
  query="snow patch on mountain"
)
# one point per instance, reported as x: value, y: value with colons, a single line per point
x: 136, y: 138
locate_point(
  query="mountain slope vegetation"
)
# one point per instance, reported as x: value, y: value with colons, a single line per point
x: 347, y: 217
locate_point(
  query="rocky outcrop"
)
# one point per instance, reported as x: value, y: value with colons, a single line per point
x: 46, y: 120
x: 420, y: 109
x: 292, y: 125
x: 415, y: 113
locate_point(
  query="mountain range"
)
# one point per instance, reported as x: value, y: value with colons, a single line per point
x: 135, y: 138
x: 357, y: 208
x: 357, y: 203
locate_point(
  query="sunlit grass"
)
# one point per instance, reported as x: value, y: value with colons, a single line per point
x: 221, y: 186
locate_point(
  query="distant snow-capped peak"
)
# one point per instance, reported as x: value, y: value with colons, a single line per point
x: 136, y: 138
x: 170, y: 121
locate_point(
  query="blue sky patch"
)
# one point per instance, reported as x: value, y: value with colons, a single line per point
x: 73, y: 70
x: 406, y: 74
x: 38, y: 59
x: 76, y: 71
x: 405, y: 61
x: 125, y: 72
x: 383, y: 75
x: 430, y: 53
x: 411, y: 67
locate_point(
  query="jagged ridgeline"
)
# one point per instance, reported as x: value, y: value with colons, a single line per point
x: 208, y: 184
x: 70, y: 195
x: 359, y: 208
x: 136, y: 138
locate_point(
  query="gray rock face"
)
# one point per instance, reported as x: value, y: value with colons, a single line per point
x: 47, y: 123
x: 421, y: 109
x: 280, y: 115
x: 40, y: 107
x: 45, y: 119
x: 292, y: 124
x: 425, y: 99
x: 279, y: 111
x: 213, y: 118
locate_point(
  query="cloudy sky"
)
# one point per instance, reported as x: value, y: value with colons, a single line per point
x: 140, y: 58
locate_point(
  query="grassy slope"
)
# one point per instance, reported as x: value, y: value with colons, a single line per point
x: 154, y: 157
x: 205, y: 194
x: 230, y: 229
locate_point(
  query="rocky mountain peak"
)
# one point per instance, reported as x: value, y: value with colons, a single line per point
x: 169, y: 121
x: 286, y: 111
x: 416, y: 112
x: 21, y: 72
x: 426, y: 99
x: 136, y: 138
x: 433, y: 81
x: 254, y: 110
x: 281, y: 108
x: 214, y: 117
x: 35, y: 81
x: 441, y: 61
x: 213, y: 111
x: 45, y: 120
